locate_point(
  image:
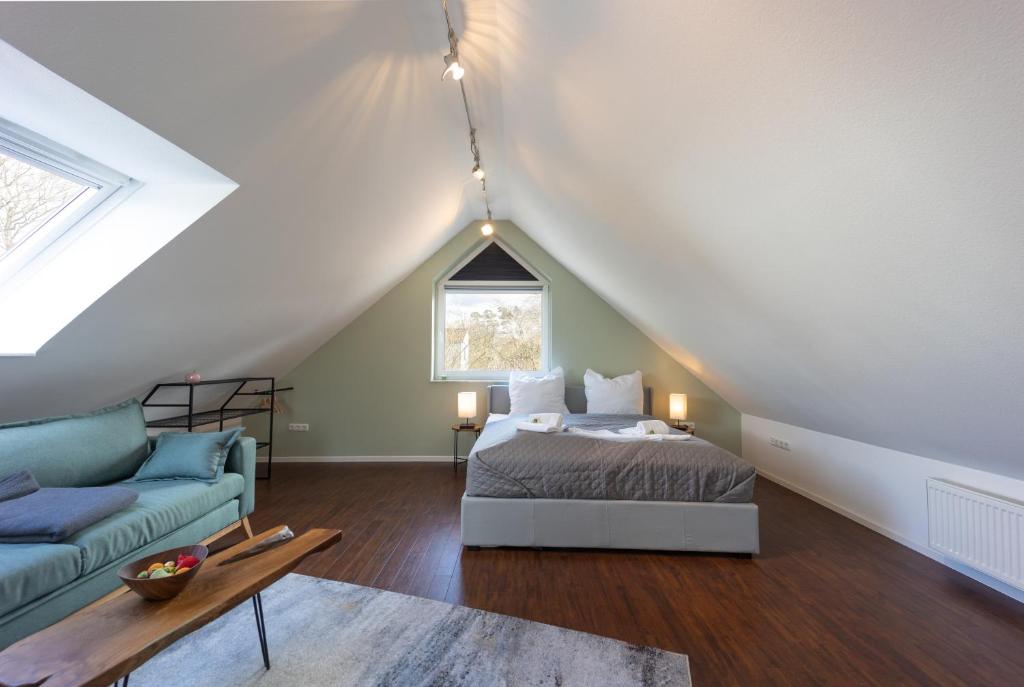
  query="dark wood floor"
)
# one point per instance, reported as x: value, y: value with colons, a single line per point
x: 828, y: 602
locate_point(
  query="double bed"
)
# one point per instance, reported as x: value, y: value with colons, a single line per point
x: 587, y: 487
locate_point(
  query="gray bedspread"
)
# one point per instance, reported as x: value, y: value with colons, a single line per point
x: 507, y: 463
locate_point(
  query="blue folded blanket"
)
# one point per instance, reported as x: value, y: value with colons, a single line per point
x: 51, y: 515
x: 17, y: 485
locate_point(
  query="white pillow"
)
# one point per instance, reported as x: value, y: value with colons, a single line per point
x: 537, y: 392
x: 622, y: 395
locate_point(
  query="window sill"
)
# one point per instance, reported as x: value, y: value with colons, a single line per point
x: 467, y: 381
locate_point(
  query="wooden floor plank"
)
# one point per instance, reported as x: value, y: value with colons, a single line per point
x: 827, y: 602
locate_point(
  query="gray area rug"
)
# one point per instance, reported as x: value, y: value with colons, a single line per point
x: 322, y: 632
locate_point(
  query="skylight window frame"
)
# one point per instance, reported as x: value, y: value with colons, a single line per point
x: 73, y: 219
x: 445, y: 283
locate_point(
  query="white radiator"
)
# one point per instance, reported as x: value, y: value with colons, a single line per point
x: 982, y: 531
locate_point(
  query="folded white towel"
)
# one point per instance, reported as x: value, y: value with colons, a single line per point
x: 628, y: 434
x: 552, y: 419
x: 632, y: 433
x: 668, y: 437
x: 537, y: 427
x: 596, y: 433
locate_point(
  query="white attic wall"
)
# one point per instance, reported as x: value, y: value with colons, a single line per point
x: 816, y: 206
x: 332, y: 119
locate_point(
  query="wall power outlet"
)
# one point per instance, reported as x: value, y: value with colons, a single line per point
x: 298, y: 427
x: 779, y: 443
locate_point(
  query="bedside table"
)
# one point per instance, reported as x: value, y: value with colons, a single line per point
x: 687, y: 426
x: 456, y: 431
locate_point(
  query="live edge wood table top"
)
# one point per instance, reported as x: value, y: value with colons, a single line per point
x: 100, y: 643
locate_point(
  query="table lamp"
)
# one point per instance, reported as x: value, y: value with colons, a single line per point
x: 677, y: 409
x: 467, y: 407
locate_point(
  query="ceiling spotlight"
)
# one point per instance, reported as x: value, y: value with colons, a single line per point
x: 478, y: 172
x: 487, y: 229
x: 452, y: 67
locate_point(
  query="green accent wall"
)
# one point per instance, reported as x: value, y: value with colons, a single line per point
x: 367, y: 391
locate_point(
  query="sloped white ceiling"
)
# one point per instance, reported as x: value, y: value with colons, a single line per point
x: 817, y: 207
x: 352, y: 161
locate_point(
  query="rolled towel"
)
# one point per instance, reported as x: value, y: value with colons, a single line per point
x: 653, y: 427
x: 647, y: 428
x: 551, y: 419
x: 655, y: 430
x: 537, y: 427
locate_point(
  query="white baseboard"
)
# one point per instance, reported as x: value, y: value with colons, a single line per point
x: 850, y: 514
x: 879, y: 488
x: 358, y: 459
x: 886, y: 532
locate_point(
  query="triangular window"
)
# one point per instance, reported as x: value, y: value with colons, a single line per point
x: 493, y: 264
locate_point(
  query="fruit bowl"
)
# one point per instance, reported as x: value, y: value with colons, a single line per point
x: 166, y: 585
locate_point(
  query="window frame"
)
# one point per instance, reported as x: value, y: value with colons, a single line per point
x: 73, y: 219
x: 445, y: 283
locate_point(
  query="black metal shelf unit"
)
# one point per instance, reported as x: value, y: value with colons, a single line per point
x: 196, y: 418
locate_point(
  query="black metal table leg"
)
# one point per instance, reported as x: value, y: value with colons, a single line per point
x: 455, y: 450
x: 261, y: 628
x: 456, y: 431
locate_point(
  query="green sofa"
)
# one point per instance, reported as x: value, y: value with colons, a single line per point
x: 42, y: 583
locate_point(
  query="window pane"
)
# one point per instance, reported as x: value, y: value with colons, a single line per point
x: 492, y: 330
x: 29, y: 198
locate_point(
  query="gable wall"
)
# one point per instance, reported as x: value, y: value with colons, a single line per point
x: 367, y: 391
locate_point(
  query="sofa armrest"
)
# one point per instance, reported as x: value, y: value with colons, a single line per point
x: 242, y: 459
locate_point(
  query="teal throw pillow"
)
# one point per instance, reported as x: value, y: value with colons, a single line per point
x: 183, y: 455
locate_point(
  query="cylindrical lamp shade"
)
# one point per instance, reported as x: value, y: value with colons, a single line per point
x: 677, y: 406
x: 467, y: 404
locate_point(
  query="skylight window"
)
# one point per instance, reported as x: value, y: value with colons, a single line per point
x: 90, y: 196
x: 29, y: 198
x: 44, y: 194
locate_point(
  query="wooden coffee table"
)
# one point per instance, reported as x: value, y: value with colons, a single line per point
x: 104, y: 642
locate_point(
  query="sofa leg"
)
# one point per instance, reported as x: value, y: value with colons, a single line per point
x: 247, y: 527
x: 221, y: 533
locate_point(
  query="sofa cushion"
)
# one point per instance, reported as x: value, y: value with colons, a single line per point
x: 29, y: 571
x: 188, y: 455
x: 162, y: 508
x: 77, y: 450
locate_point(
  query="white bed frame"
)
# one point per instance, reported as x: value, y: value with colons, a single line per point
x: 579, y: 523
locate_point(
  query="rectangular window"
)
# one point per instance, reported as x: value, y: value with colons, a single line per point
x: 493, y: 330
